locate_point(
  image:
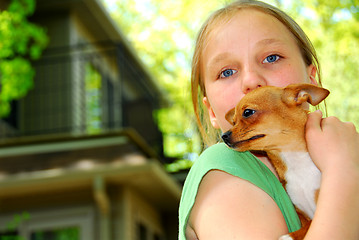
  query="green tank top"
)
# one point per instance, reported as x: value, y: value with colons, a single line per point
x: 243, y: 165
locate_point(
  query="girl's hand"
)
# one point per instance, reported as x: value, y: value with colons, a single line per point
x: 334, y: 148
x: 332, y: 144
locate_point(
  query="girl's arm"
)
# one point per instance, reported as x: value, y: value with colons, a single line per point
x: 334, y: 147
x: 228, y: 207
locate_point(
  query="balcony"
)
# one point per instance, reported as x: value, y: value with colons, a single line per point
x: 86, y: 89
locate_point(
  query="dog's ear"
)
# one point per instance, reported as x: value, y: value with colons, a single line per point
x: 297, y: 94
x: 230, y: 116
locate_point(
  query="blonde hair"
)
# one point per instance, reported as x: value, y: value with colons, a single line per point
x: 209, y: 134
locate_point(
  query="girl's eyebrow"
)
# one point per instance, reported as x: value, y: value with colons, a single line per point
x: 270, y: 41
x: 225, y: 55
x: 220, y: 57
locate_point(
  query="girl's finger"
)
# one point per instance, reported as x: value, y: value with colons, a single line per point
x: 314, y: 121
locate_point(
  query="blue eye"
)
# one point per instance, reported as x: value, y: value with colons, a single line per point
x: 227, y: 73
x: 271, y: 59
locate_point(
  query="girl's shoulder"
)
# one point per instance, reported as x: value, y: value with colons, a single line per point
x: 235, y: 167
x: 226, y: 200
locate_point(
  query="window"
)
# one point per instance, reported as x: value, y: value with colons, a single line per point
x: 62, y: 224
x: 142, y: 232
x: 93, y: 85
x: 9, y: 235
x: 11, y: 119
x: 69, y: 233
x: 146, y: 233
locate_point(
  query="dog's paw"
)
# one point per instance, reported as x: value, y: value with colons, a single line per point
x: 286, y: 237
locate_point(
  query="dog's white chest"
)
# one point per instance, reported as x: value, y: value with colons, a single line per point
x: 303, y: 179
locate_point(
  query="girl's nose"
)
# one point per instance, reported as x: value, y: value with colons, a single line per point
x: 251, y: 80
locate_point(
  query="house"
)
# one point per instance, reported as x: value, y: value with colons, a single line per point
x: 82, y: 153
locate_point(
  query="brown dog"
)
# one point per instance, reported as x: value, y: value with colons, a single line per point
x: 272, y: 120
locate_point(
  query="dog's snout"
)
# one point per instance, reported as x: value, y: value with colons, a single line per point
x: 227, y: 137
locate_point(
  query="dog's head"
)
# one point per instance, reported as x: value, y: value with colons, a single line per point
x: 272, y: 118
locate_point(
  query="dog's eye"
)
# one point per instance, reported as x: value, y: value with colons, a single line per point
x: 248, y: 112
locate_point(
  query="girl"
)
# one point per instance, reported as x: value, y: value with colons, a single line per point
x: 231, y: 195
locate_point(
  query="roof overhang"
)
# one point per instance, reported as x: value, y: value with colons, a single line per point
x: 140, y: 170
x: 149, y: 179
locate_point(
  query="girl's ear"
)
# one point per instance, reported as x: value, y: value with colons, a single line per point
x: 212, y: 115
x: 312, y: 73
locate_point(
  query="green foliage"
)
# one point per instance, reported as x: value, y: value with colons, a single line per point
x: 333, y: 27
x: 163, y: 34
x: 14, y: 224
x: 20, y: 42
x: 17, y: 220
x: 178, y: 165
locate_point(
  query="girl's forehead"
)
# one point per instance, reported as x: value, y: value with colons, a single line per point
x: 250, y: 19
x: 250, y: 24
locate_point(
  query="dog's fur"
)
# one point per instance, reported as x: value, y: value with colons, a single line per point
x: 272, y: 120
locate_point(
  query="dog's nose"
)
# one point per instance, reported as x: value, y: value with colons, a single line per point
x: 227, y: 138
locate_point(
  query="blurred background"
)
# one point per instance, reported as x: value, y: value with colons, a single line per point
x: 163, y: 34
x: 97, y: 130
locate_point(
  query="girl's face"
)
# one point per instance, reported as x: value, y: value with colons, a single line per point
x: 252, y: 50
